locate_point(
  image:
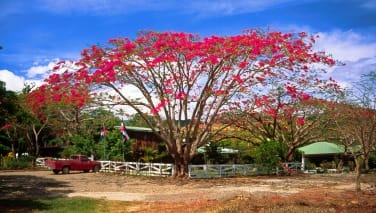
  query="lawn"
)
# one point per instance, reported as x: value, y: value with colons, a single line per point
x: 55, y: 205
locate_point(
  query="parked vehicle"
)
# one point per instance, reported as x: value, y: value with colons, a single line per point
x: 75, y: 163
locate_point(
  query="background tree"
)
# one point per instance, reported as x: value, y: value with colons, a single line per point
x: 178, y: 76
x: 31, y: 124
x: 287, y: 111
x: 89, y: 140
x: 355, y: 122
x: 70, y: 114
x: 292, y: 124
x: 138, y: 121
x: 9, y: 107
x: 67, y: 107
x: 364, y: 95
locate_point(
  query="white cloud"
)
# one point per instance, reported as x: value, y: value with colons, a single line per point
x: 351, y: 48
x: 16, y: 83
x: 34, y: 75
x: 40, y: 70
x: 13, y: 82
x: 346, y: 45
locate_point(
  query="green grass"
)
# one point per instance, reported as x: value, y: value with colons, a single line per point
x: 56, y: 205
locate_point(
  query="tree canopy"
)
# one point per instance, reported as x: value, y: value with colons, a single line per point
x: 172, y: 77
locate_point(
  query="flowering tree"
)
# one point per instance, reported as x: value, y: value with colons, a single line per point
x: 355, y: 122
x: 62, y: 98
x: 289, y: 114
x: 178, y: 77
x: 8, y: 109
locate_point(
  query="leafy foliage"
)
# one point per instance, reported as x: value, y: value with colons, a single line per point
x: 270, y: 153
x: 9, y: 162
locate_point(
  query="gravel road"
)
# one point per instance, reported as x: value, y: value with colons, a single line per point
x: 35, y: 184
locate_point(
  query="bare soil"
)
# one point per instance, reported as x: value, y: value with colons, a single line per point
x: 166, y: 194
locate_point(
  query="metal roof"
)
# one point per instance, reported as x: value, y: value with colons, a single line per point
x: 222, y: 150
x: 138, y: 129
x: 320, y: 148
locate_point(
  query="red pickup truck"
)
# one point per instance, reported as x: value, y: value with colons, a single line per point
x: 76, y: 162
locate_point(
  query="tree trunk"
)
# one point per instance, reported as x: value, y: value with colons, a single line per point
x: 181, y: 167
x: 182, y: 160
x: 358, y: 169
x: 13, y: 149
x: 366, y: 165
x: 290, y: 155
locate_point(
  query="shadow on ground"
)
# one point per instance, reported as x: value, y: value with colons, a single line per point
x: 22, y: 205
x: 20, y: 193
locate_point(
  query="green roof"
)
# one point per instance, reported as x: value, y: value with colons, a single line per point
x: 320, y: 148
x: 138, y: 129
x: 222, y: 150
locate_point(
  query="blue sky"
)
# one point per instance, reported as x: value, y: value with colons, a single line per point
x: 35, y: 34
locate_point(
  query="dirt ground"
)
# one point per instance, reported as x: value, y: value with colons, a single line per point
x: 167, y: 192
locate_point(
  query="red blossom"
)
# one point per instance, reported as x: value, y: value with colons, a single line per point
x: 272, y: 112
x: 260, y: 79
x: 238, y: 79
x: 178, y: 60
x: 221, y: 92
x: 159, y: 106
x: 6, y: 127
x: 305, y: 97
x: 243, y: 64
x: 181, y: 95
x: 300, y: 121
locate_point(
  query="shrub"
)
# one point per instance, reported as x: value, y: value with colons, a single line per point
x: 269, y: 154
x: 8, y: 162
x: 372, y: 161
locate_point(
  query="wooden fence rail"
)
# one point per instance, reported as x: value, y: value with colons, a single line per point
x: 40, y: 162
x: 137, y: 168
x: 194, y: 171
x: 231, y: 170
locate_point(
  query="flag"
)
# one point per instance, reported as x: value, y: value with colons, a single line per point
x: 103, y: 131
x: 124, y: 132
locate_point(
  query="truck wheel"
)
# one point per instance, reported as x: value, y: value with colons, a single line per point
x: 96, y: 168
x: 86, y: 171
x: 55, y: 171
x: 65, y: 170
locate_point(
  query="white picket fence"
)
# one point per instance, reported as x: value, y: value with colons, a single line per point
x: 221, y: 170
x: 194, y: 171
x: 137, y: 168
x: 293, y: 166
x: 232, y: 170
x: 40, y: 162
